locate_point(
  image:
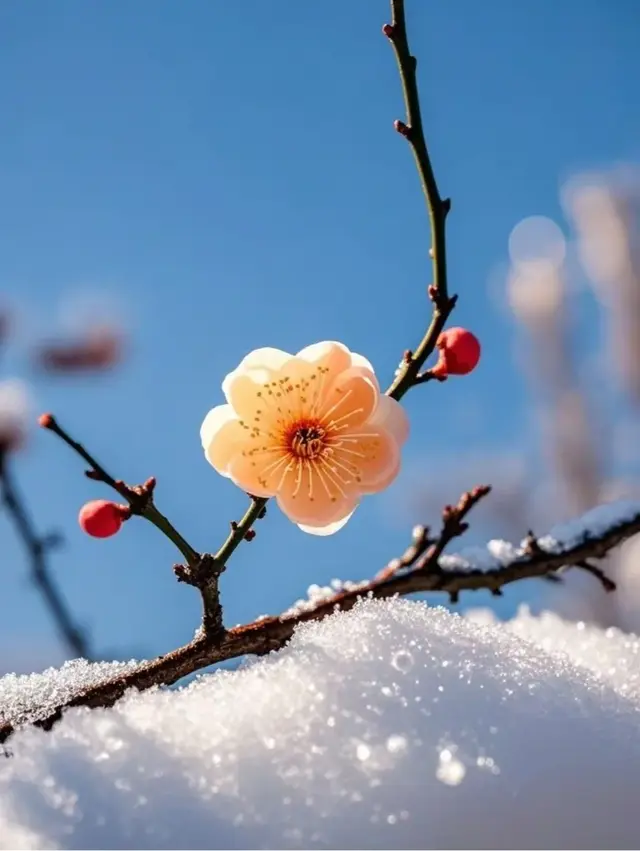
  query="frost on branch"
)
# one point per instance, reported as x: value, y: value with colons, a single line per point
x: 395, y: 725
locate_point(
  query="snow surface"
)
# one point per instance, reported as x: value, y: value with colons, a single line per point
x: 395, y: 725
x: 28, y: 697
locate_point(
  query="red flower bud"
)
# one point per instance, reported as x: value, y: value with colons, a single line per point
x: 459, y: 353
x: 101, y: 518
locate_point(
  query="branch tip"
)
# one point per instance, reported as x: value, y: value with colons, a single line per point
x: 46, y: 421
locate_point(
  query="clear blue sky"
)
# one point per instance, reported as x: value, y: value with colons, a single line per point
x: 229, y: 172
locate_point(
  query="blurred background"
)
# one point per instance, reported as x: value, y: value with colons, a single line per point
x: 183, y: 182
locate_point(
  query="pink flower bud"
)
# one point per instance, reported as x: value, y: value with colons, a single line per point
x: 459, y: 353
x: 101, y: 518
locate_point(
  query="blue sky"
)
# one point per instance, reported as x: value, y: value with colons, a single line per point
x: 228, y: 176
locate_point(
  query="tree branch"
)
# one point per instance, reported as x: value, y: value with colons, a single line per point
x: 37, y: 547
x: 420, y: 569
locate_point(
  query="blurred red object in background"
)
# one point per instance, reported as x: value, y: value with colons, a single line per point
x: 100, y: 349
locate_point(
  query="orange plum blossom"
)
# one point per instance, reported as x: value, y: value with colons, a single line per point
x: 312, y: 430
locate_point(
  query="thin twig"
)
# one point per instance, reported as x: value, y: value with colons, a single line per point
x: 422, y: 572
x: 242, y: 530
x: 409, y: 374
x: 140, y: 498
x: 437, y: 207
x: 202, y: 570
x: 37, y: 548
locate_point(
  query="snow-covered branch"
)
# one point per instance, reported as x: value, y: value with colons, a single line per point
x: 423, y: 567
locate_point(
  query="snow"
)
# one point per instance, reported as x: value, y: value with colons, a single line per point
x: 496, y: 554
x: 615, y: 660
x: 27, y: 697
x: 590, y: 525
x: 395, y: 725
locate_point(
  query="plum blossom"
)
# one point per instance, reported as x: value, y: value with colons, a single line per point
x: 312, y: 430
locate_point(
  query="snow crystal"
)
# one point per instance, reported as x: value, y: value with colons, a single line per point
x: 613, y: 656
x: 395, y: 725
x: 318, y: 594
x: 27, y: 697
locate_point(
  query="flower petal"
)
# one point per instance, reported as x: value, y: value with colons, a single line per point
x: 361, y: 361
x: 391, y: 416
x: 379, y: 472
x: 372, y: 459
x: 350, y: 400
x: 329, y: 529
x: 265, y: 358
x: 221, y: 435
x: 333, y: 356
x: 257, y: 472
x: 244, y: 389
x: 316, y: 493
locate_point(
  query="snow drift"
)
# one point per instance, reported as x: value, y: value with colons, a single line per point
x: 396, y: 725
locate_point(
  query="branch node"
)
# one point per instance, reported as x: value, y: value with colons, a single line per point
x: 389, y: 31
x: 200, y: 573
x: 263, y: 511
x: 402, y: 128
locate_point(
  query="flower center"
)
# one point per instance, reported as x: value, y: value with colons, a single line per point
x: 308, y: 441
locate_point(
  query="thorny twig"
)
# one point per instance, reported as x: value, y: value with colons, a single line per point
x: 417, y: 571
x: 37, y: 547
